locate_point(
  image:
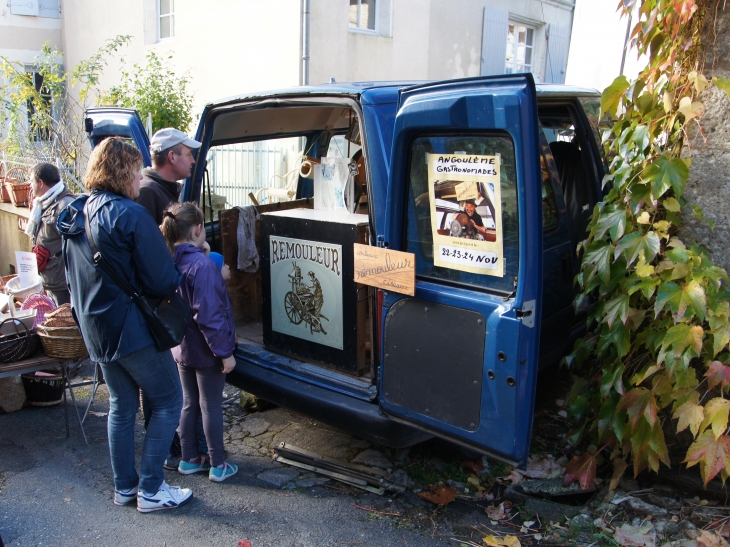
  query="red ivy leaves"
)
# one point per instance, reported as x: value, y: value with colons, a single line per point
x: 582, y: 469
x: 718, y: 373
x: 713, y: 456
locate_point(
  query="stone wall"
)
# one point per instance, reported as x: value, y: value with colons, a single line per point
x: 709, y: 181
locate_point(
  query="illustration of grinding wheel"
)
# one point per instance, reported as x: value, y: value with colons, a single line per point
x: 293, y: 307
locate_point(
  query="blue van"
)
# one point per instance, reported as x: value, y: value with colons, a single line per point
x: 458, y: 359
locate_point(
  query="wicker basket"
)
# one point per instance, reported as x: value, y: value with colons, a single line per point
x: 13, y: 287
x: 16, y: 347
x: 62, y: 342
x: 19, y: 192
x: 63, y: 315
x: 4, y: 280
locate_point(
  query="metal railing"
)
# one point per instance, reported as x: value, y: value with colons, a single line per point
x: 69, y: 175
x: 239, y: 169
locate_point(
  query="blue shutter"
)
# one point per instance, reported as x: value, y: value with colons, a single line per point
x: 24, y: 7
x: 494, y: 41
x: 49, y: 8
x: 557, y: 54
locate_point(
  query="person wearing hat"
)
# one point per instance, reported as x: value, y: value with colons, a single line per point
x: 172, y: 160
x: 50, y: 197
x: 470, y: 208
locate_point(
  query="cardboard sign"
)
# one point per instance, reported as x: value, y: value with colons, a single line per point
x: 466, y: 212
x: 385, y: 269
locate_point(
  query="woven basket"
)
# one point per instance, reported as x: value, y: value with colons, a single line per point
x: 4, y: 280
x: 16, y: 347
x: 19, y: 192
x: 63, y: 315
x: 57, y: 342
x: 4, y: 194
x: 13, y: 287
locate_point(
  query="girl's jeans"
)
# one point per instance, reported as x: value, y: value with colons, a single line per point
x: 156, y: 374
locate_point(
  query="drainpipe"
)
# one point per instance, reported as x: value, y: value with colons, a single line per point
x: 305, y: 43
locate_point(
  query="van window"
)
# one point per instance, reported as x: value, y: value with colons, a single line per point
x: 236, y: 170
x: 438, y: 207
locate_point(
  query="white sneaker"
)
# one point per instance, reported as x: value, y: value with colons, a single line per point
x: 125, y: 497
x: 167, y: 497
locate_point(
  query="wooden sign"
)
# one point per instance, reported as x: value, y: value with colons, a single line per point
x: 385, y: 269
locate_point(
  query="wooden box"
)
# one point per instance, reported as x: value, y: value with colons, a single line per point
x: 312, y: 308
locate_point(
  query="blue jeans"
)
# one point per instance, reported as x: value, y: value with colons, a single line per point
x: 156, y: 374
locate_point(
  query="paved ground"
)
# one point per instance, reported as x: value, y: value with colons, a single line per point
x: 58, y: 491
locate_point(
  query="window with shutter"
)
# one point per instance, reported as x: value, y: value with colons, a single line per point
x: 557, y: 54
x: 494, y: 41
x: 24, y: 7
x: 520, y: 48
x: 49, y: 8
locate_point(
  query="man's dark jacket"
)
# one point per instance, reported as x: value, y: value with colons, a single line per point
x: 156, y: 193
x: 133, y: 245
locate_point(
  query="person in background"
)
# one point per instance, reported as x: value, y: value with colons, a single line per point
x: 205, y: 355
x: 113, y: 327
x: 172, y: 160
x: 50, y: 197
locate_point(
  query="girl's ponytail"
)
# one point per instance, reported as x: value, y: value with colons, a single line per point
x: 178, y: 220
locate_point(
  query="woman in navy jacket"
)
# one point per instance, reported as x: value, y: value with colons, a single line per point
x: 114, y: 329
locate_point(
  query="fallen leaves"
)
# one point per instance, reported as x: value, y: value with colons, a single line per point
x: 582, y: 469
x: 442, y: 495
x: 497, y: 513
x: 543, y: 467
x: 506, y: 541
x: 635, y: 536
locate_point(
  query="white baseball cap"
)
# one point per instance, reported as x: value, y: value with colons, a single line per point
x: 169, y: 137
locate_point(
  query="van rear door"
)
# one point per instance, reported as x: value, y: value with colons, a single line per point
x: 104, y: 122
x: 459, y: 359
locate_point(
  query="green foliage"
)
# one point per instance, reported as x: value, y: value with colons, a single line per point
x: 46, y: 124
x: 661, y: 319
x: 155, y: 89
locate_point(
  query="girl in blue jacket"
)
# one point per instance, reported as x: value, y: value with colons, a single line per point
x: 205, y: 355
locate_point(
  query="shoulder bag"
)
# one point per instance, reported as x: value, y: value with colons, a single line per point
x: 167, y: 317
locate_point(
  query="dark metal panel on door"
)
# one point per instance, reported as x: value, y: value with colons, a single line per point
x: 423, y: 372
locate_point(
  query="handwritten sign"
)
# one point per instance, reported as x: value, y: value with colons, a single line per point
x: 385, y: 269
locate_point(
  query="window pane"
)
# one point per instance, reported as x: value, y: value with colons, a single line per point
x: 165, y: 7
x: 353, y: 13
x: 521, y: 35
x: 530, y: 37
x: 550, y: 217
x: 367, y: 14
x: 510, y: 33
x: 510, y: 53
x: 520, y: 54
x: 450, y: 211
x: 528, y: 56
x: 166, y: 27
x: 237, y: 169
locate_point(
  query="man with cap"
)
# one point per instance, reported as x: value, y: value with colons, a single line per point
x: 172, y: 160
x: 475, y: 219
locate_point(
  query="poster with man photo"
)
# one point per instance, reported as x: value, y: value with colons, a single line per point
x: 466, y: 212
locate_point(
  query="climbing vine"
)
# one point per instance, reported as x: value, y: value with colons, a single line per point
x: 656, y: 353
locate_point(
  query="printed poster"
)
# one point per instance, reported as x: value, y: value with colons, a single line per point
x: 466, y: 212
x: 306, y: 290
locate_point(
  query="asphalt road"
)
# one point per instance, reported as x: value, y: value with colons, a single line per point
x: 56, y: 491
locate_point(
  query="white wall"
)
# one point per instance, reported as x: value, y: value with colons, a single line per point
x: 597, y: 46
x: 228, y: 46
x: 431, y: 39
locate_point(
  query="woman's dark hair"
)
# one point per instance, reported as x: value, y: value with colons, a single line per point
x: 46, y: 173
x: 177, y: 222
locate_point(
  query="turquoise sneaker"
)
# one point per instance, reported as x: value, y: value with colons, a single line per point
x: 221, y: 473
x: 198, y: 465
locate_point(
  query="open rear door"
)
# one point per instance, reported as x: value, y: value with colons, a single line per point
x: 460, y: 358
x: 104, y: 122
